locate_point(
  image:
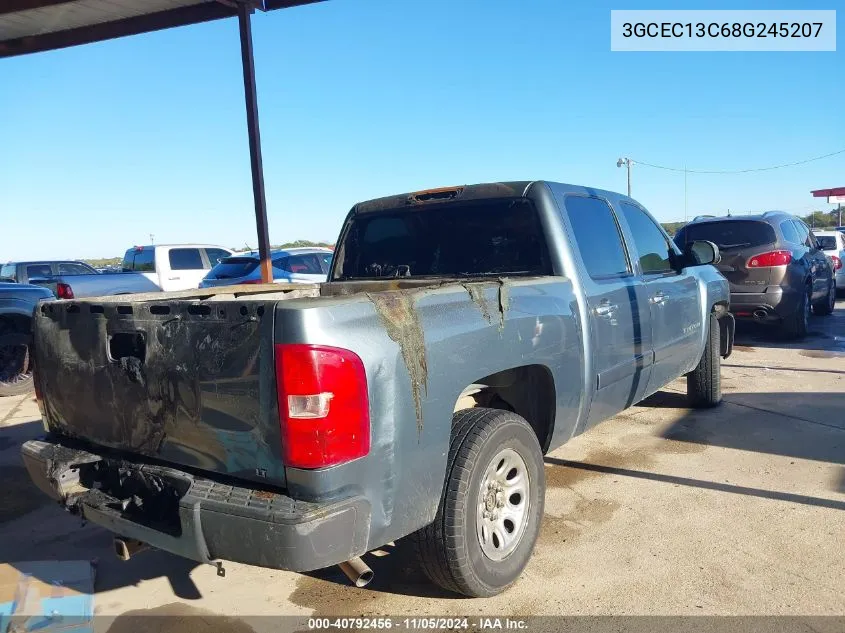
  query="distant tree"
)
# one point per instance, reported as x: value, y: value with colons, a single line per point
x: 672, y: 227
x: 104, y: 262
x: 821, y: 219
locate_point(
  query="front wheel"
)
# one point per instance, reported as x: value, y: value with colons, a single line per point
x: 489, y: 515
x: 704, y: 383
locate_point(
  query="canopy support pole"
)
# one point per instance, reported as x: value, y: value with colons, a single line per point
x: 245, y: 25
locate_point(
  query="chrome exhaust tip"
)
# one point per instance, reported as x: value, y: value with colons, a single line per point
x: 357, y: 571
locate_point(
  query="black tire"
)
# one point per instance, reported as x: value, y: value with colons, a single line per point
x: 449, y: 550
x: 15, y: 382
x: 826, y: 305
x: 704, y: 383
x: 795, y: 326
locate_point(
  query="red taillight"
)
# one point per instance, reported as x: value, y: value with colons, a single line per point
x: 323, y: 405
x: 772, y: 258
x: 837, y: 263
x: 64, y: 291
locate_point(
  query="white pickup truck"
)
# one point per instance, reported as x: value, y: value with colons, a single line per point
x: 154, y: 268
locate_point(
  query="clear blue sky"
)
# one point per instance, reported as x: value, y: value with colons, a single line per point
x: 104, y: 144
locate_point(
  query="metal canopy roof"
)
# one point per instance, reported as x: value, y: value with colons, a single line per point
x: 827, y: 193
x: 32, y: 26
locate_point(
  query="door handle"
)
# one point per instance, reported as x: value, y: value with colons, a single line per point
x: 658, y: 298
x: 605, y: 309
x: 173, y: 278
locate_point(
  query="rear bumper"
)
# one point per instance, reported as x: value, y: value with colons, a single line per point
x: 208, y: 521
x: 772, y: 305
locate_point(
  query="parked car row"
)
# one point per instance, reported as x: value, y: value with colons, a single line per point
x: 779, y: 270
x: 169, y: 267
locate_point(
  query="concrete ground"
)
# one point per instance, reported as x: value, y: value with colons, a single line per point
x: 662, y: 510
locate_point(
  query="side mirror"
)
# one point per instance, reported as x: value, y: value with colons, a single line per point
x: 701, y: 253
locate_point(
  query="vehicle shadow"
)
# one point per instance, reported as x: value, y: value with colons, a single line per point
x: 35, y: 528
x: 665, y: 400
x: 826, y: 334
x: 799, y: 425
x: 704, y: 484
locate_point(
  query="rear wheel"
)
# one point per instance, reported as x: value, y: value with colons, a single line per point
x: 15, y: 364
x: 704, y: 383
x: 826, y: 305
x: 489, y: 515
x: 795, y: 326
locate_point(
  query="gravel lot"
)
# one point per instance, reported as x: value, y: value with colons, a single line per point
x: 662, y: 510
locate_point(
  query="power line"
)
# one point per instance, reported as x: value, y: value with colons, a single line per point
x: 737, y: 171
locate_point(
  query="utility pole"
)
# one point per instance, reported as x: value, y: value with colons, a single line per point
x: 685, y: 193
x: 152, y: 238
x: 627, y: 162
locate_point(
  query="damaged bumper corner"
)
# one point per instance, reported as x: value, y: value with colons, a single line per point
x: 197, y: 518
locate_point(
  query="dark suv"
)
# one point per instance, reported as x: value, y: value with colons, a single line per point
x: 774, y: 264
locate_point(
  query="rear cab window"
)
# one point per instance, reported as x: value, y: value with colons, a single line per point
x: 39, y: 271
x: 728, y: 234
x: 460, y: 239
x: 139, y: 260
x: 185, y: 259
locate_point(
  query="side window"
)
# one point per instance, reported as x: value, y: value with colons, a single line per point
x: 652, y: 245
x: 597, y: 236
x: 68, y: 268
x: 215, y: 255
x: 185, y: 259
x: 34, y: 271
x: 803, y: 233
x: 9, y: 271
x: 790, y: 233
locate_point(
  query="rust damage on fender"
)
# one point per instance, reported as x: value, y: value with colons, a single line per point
x: 477, y: 292
x: 504, y: 301
x: 402, y: 323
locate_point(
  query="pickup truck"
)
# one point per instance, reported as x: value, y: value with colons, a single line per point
x: 162, y: 267
x: 463, y: 333
x: 17, y: 304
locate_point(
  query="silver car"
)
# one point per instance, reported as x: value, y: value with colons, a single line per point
x: 833, y: 245
x: 306, y: 265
